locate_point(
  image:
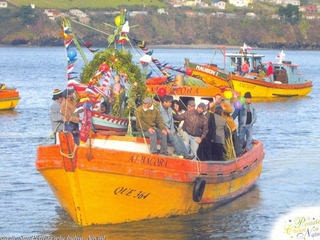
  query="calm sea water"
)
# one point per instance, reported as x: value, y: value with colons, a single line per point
x: 288, y: 128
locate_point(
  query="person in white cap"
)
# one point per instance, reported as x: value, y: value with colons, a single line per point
x: 150, y: 122
x: 55, y: 114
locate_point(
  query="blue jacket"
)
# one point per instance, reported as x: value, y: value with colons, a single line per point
x: 242, y: 115
x: 167, y: 118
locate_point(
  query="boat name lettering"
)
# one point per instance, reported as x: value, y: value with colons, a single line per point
x: 180, y: 90
x: 131, y: 193
x: 207, y: 70
x: 248, y: 86
x: 153, y: 161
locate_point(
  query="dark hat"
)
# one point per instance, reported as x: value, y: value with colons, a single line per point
x: 147, y: 100
x: 218, y: 110
x: 67, y: 92
x: 167, y: 98
x: 247, y: 95
x: 202, y: 105
x: 157, y: 98
x: 57, y: 93
x: 191, y: 103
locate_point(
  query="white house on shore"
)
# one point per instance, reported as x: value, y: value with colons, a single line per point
x: 77, y: 13
x: 239, y: 3
x: 3, y: 4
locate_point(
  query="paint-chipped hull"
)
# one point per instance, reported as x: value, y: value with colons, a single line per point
x: 116, y: 180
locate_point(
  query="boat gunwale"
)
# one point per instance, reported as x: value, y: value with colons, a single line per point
x: 307, y: 84
x: 176, y: 169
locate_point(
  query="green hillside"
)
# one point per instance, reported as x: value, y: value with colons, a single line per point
x: 93, y: 4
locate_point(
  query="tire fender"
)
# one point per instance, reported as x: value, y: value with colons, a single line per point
x: 198, y: 189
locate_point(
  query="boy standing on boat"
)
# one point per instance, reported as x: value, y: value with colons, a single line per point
x: 150, y: 122
x: 70, y: 117
x: 247, y: 116
x: 167, y: 116
x: 55, y: 114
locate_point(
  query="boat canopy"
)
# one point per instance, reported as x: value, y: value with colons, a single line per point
x: 236, y: 59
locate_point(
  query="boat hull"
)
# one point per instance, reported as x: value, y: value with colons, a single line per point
x: 209, y: 74
x: 125, y: 183
x: 9, y: 99
x: 109, y: 123
x: 262, y: 89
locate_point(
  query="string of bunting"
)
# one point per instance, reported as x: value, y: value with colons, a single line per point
x: 163, y: 67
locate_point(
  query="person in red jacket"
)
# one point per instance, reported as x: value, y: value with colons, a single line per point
x: 270, y: 72
x: 245, y: 68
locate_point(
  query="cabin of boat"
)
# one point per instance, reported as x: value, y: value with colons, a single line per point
x: 236, y: 59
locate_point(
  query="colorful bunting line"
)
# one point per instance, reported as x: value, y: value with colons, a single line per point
x: 163, y: 67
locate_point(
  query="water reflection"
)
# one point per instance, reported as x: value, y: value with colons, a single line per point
x: 207, y: 224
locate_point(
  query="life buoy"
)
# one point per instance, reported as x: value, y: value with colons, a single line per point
x: 198, y: 189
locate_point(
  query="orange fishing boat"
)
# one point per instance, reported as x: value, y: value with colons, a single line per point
x: 114, y: 179
x: 111, y: 176
x: 9, y: 98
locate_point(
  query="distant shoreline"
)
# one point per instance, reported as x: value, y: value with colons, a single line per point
x: 193, y: 46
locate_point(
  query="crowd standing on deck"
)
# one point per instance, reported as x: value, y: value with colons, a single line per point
x: 199, y: 132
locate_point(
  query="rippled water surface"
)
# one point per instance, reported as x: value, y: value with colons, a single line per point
x: 288, y: 128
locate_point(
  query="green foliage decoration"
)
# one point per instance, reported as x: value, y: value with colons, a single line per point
x: 121, y: 62
x: 229, y: 152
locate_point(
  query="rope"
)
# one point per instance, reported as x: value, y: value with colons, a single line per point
x: 90, y: 27
x: 69, y: 155
x: 52, y: 133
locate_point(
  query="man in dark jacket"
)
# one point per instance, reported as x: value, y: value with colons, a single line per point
x: 195, y: 127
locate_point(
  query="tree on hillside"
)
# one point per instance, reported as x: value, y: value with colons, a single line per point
x: 27, y: 15
x: 290, y: 13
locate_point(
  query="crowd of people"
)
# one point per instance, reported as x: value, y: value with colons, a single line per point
x: 203, y: 132
x: 243, y: 69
